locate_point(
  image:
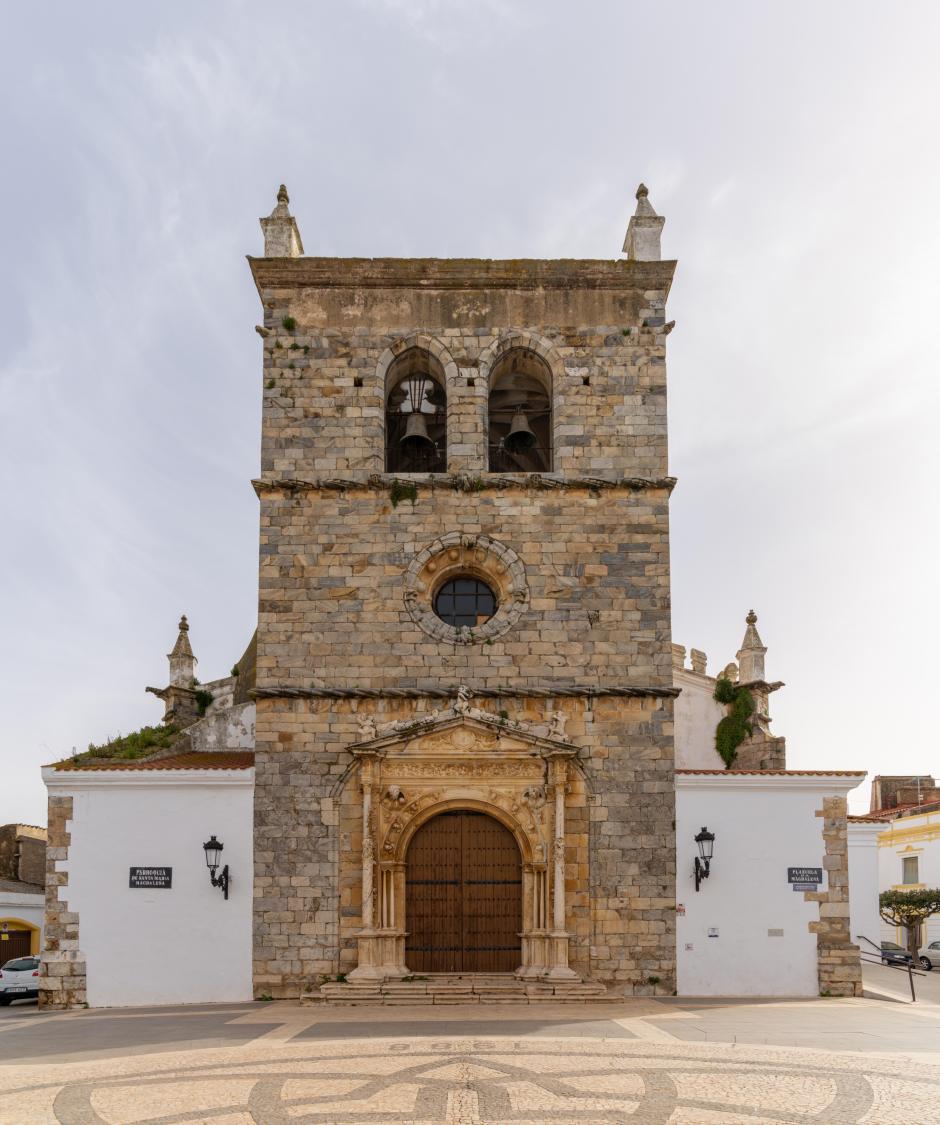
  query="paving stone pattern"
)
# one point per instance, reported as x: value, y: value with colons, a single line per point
x: 470, y: 1081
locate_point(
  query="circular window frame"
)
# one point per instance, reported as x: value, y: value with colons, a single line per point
x: 465, y: 576
x: 476, y: 556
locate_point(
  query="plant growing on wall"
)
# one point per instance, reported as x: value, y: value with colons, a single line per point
x: 203, y: 700
x: 735, y: 727
x: 909, y: 909
x: 402, y: 490
x: 138, y: 744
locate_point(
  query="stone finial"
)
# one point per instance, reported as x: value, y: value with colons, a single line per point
x: 731, y: 672
x: 699, y: 660
x: 751, y: 653
x: 281, y: 234
x: 644, y: 231
x: 182, y: 661
x: 678, y: 656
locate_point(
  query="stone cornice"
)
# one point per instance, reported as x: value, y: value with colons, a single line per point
x: 457, y: 482
x: 637, y: 691
x: 460, y: 273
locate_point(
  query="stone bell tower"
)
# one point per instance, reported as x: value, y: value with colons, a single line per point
x: 464, y: 682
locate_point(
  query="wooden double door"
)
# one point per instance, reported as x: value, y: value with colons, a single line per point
x: 463, y: 899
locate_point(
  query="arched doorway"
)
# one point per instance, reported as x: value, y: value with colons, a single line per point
x: 463, y: 896
x: 17, y: 939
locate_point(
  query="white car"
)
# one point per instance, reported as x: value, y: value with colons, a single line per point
x: 929, y: 955
x: 19, y: 980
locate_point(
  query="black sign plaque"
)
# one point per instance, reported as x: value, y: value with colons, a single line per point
x: 151, y: 878
x: 804, y: 874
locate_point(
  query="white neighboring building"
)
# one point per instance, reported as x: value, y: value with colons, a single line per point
x: 747, y: 931
x: 145, y: 823
x: 865, y: 919
x: 908, y: 810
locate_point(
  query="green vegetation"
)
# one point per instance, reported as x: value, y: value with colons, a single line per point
x: 203, y: 701
x: 234, y: 669
x: 909, y: 909
x: 402, y: 490
x: 735, y: 727
x: 139, y: 744
x: 289, y: 323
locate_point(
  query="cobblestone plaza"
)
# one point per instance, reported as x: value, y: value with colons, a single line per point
x: 649, y: 1061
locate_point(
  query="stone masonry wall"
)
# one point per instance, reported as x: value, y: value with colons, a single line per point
x: 604, y: 345
x: 62, y: 979
x: 620, y: 841
x: 840, y: 967
x: 332, y: 611
x: 592, y: 538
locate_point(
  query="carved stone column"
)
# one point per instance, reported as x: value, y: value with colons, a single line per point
x: 369, y: 967
x: 558, y: 765
x: 381, y: 940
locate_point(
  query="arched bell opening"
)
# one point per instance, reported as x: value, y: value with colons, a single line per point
x: 464, y: 896
x: 415, y: 414
x: 520, y: 414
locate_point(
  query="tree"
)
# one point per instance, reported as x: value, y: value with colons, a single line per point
x: 909, y: 909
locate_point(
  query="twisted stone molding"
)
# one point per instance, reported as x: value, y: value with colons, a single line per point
x: 458, y: 482
x: 284, y: 691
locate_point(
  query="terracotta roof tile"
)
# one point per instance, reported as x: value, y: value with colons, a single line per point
x: 777, y: 773
x: 193, y: 760
x: 913, y: 806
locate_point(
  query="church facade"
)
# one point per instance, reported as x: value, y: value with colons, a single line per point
x: 539, y: 697
x: 458, y: 717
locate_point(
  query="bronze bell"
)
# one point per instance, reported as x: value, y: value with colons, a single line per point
x: 520, y: 436
x: 415, y: 437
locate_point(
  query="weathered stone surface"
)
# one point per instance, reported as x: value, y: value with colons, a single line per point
x: 840, y: 966
x: 62, y: 978
x: 592, y: 578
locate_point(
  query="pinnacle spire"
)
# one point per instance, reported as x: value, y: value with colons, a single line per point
x: 751, y: 653
x: 644, y: 231
x: 182, y: 661
x: 281, y: 233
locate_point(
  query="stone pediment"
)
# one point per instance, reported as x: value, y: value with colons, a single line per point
x: 461, y: 730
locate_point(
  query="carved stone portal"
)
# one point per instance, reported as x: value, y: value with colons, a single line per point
x: 463, y: 758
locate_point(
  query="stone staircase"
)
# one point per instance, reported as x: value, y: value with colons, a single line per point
x: 445, y: 988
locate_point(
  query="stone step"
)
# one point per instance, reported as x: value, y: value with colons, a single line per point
x: 456, y: 989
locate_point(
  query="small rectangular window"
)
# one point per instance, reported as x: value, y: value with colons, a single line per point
x: 909, y: 869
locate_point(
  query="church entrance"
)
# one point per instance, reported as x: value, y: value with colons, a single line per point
x: 463, y: 899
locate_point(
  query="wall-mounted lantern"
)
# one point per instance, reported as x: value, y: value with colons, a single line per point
x: 706, y: 847
x: 213, y: 850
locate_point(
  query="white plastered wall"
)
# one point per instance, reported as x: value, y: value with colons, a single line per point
x: 763, y: 825
x: 186, y: 944
x: 865, y: 921
x: 697, y: 714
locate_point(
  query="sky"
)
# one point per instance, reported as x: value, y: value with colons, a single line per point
x: 792, y: 149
